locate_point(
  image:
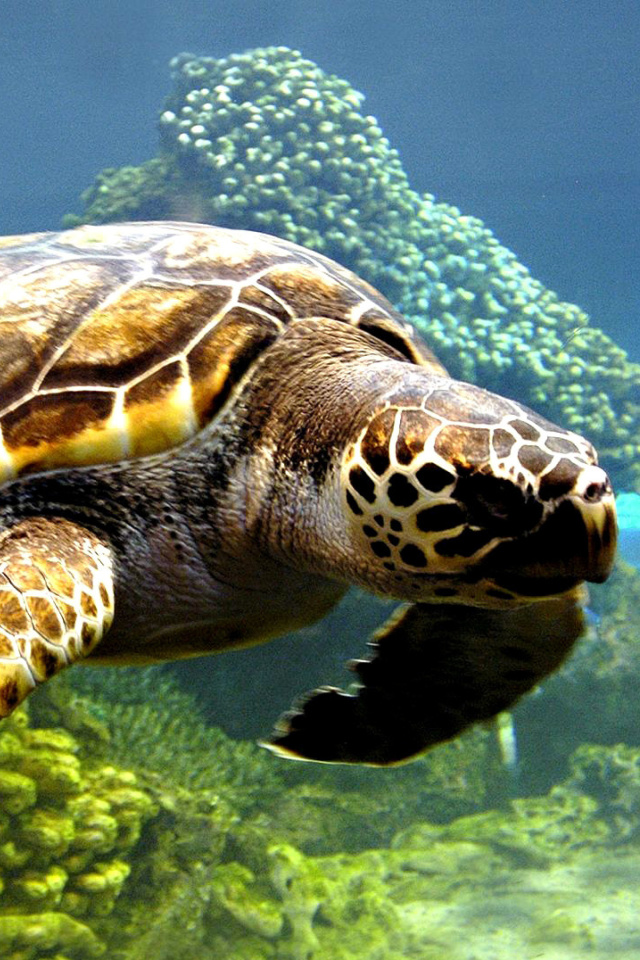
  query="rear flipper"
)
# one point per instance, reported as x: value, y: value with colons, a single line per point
x: 436, y: 670
x: 56, y: 602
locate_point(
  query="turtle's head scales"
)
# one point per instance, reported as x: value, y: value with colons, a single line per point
x: 462, y: 494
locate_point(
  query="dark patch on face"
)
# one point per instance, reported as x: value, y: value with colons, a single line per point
x: 413, y: 556
x: 442, y: 516
x: 502, y: 441
x: 395, y: 525
x: 465, y: 544
x: 379, y: 519
x: 550, y: 560
x: 319, y: 463
x: 433, y: 478
x: 526, y: 430
x: 375, y: 443
x: 353, y: 505
x: 497, y: 504
x: 415, y: 427
x: 389, y: 565
x: 534, y: 458
x: 217, y: 469
x: 380, y: 549
x: 369, y: 531
x: 560, y: 480
x: 362, y: 484
x: 393, y: 540
x: 560, y: 445
x: 401, y: 492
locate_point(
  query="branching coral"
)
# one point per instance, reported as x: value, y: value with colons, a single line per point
x: 266, y: 140
x: 151, y: 723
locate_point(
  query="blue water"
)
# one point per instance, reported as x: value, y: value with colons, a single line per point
x: 190, y: 844
x: 524, y: 114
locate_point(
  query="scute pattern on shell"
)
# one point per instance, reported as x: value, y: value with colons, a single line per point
x: 125, y: 340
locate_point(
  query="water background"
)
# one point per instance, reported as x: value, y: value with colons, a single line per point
x: 525, y: 114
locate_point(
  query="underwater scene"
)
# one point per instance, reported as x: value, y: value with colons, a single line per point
x: 141, y: 817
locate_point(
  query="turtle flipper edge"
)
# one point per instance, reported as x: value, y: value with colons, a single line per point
x: 56, y: 602
x: 436, y: 670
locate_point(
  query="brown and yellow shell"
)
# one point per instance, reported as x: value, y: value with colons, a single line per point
x: 121, y: 341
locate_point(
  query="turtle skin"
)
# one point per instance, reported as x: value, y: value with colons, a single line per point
x: 207, y: 435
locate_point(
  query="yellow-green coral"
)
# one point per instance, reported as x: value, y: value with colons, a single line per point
x: 36, y: 935
x: 266, y: 140
x: 66, y: 824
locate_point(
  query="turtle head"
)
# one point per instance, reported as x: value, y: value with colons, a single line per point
x: 463, y: 495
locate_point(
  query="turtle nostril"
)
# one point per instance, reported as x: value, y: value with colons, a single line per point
x: 596, y: 485
x: 594, y: 492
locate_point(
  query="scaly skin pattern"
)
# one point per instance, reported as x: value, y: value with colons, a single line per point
x: 439, y: 483
x: 56, y: 602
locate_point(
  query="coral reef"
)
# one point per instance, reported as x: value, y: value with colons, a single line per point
x: 67, y: 829
x: 612, y: 775
x: 100, y: 860
x: 266, y: 140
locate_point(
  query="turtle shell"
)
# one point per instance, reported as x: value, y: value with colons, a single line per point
x: 124, y: 340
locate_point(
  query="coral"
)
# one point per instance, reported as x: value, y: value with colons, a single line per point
x: 67, y: 829
x: 141, y: 717
x: 612, y: 775
x: 333, y: 807
x: 534, y: 830
x: 266, y: 140
x: 97, y: 860
x: 35, y: 935
x: 130, y: 193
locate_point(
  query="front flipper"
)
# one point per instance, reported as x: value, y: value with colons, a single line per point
x: 56, y: 602
x: 436, y: 670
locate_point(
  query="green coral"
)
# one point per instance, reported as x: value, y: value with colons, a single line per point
x: 612, y: 775
x: 146, y: 720
x: 98, y: 860
x: 266, y: 140
x: 67, y: 829
x: 533, y: 830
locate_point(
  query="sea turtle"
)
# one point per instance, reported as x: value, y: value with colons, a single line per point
x: 207, y: 435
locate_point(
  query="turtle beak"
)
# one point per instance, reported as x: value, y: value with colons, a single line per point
x: 576, y: 541
x: 597, y: 507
